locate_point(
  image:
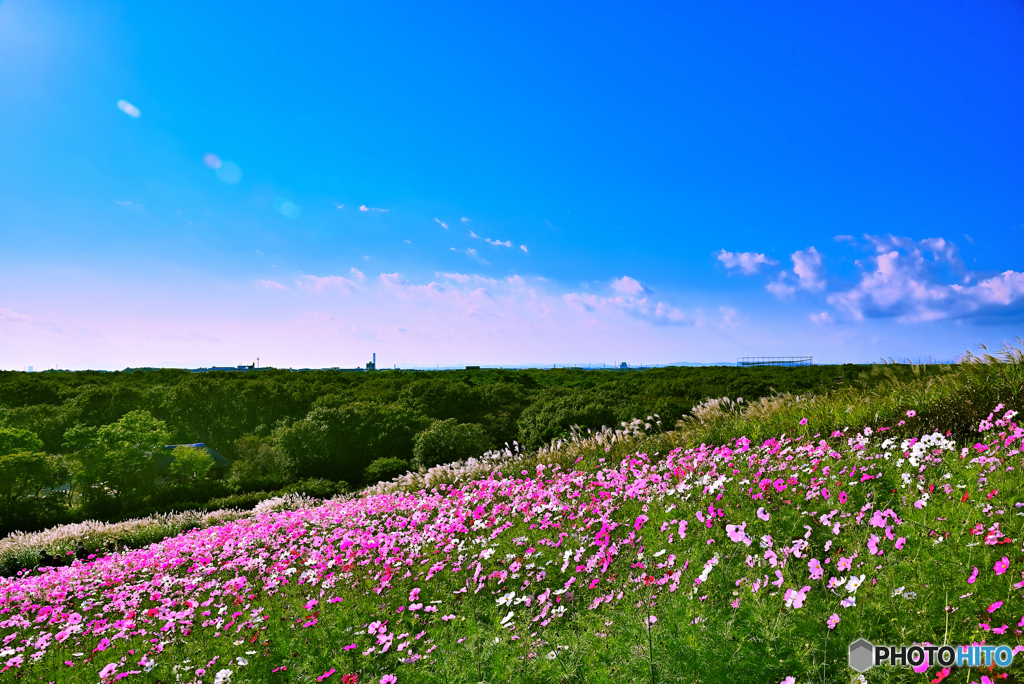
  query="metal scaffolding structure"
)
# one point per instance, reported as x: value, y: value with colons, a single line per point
x: 776, y: 361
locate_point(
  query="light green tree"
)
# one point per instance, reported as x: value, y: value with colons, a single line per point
x: 116, y: 460
x: 13, y: 440
x: 189, y: 464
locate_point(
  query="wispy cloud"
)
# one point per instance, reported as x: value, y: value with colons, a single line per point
x: 270, y: 285
x: 328, y: 283
x: 128, y: 204
x: 821, y: 318
x: 657, y: 313
x: 780, y: 287
x: 748, y: 262
x: 465, y: 279
x: 442, y: 223
x: 472, y: 253
x: 630, y: 300
x: 730, y: 316
x: 339, y: 206
x: 363, y: 207
x: 464, y: 219
x: 498, y: 243
x: 523, y: 247
x: 473, y: 235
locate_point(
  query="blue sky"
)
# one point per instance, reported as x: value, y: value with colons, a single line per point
x: 508, y: 184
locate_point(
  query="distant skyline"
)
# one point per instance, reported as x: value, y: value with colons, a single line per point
x: 187, y: 185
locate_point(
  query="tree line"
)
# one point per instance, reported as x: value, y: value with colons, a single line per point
x: 82, y: 444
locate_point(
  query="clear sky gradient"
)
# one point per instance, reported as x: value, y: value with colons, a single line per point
x: 193, y: 184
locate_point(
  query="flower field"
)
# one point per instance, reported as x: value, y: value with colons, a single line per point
x: 736, y: 562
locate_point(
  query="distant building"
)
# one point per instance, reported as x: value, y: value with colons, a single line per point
x: 223, y: 368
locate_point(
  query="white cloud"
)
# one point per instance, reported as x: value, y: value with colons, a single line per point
x: 628, y: 286
x: 128, y: 204
x: 442, y: 223
x: 128, y: 108
x: 780, y: 288
x: 473, y: 235
x: 357, y: 275
x: 903, y: 285
x: 498, y: 243
x: 464, y: 219
x: 363, y: 207
x: 473, y: 254
x: 843, y: 238
x: 748, y: 262
x: 807, y: 266
x: 523, y: 247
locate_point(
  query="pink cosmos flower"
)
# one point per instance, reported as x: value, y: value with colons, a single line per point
x: 995, y: 606
x: 325, y: 675
x: 815, y: 567
x: 763, y: 514
x: 974, y: 576
x: 911, y: 413
x: 794, y: 598
x: 389, y: 679
x: 803, y: 421
x: 1001, y: 565
x: 833, y: 621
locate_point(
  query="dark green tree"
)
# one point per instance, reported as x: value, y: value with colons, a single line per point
x: 448, y: 440
x: 339, y: 443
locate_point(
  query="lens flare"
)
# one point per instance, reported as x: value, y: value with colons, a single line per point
x: 287, y: 208
x: 212, y: 160
x: 229, y: 172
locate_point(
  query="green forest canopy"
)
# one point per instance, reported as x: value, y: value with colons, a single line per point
x: 280, y: 426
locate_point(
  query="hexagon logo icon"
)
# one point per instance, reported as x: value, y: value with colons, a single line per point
x: 861, y: 655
